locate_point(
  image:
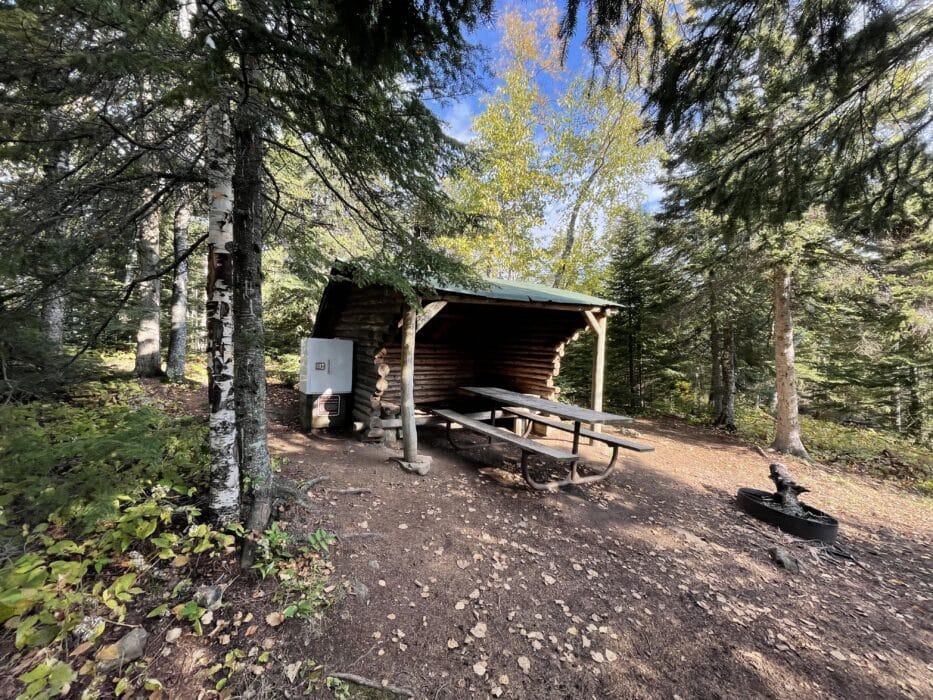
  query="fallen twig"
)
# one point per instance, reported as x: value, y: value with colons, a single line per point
x: 376, y: 685
x: 350, y: 492
x: 358, y: 535
x: 316, y: 480
x: 365, y: 654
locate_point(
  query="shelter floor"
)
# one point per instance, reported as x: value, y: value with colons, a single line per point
x: 651, y: 584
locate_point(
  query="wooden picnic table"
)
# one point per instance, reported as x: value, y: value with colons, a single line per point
x: 577, y: 414
x: 515, y: 403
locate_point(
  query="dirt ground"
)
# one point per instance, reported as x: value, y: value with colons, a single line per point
x: 652, y: 584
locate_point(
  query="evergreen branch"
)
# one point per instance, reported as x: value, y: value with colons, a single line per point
x: 128, y: 292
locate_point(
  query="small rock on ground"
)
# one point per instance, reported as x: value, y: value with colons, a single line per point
x: 784, y: 559
x: 130, y: 647
x: 209, y: 597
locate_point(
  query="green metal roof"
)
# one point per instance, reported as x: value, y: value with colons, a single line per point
x: 527, y: 292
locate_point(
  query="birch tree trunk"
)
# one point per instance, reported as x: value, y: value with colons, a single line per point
x: 786, y: 420
x: 178, y: 338
x: 148, y: 338
x: 249, y: 336
x: 53, y: 318
x: 52, y: 315
x: 915, y: 408
x: 224, y: 501
x: 570, y: 238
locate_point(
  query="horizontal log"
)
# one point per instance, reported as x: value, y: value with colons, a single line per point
x: 531, y: 373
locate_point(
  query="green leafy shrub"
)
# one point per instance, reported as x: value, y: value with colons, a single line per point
x: 881, y: 453
x: 78, y: 459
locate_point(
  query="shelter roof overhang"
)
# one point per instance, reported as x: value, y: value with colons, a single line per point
x: 508, y: 292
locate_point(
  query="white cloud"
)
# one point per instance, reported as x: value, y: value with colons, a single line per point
x: 459, y: 122
x: 653, y: 193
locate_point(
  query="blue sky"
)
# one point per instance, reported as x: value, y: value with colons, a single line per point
x: 459, y: 113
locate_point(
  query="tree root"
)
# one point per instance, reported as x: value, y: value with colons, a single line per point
x: 375, y: 685
x: 288, y: 491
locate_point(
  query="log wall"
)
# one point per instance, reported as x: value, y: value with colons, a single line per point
x: 480, y: 344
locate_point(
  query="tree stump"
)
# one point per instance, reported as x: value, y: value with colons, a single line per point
x: 787, y: 489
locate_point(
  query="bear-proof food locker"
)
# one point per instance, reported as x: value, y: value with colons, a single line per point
x: 325, y: 382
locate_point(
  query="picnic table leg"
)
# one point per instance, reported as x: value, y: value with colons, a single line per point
x: 537, y: 485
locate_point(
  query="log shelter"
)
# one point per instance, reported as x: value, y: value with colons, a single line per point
x: 506, y: 334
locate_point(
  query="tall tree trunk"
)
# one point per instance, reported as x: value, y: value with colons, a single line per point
x: 248, y: 336
x: 409, y: 431
x: 225, y: 474
x: 561, y: 276
x: 53, y: 318
x: 198, y: 318
x: 52, y: 315
x: 715, y: 352
x: 786, y: 420
x: 898, y: 412
x: 915, y: 407
x: 726, y: 416
x: 178, y: 338
x: 148, y: 338
x: 630, y: 340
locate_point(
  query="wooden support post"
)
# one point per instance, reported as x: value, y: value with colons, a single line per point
x: 599, y: 368
x: 409, y: 430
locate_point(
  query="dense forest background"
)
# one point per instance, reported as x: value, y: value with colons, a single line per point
x: 555, y: 191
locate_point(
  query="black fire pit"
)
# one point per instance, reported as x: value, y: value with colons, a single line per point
x: 784, y: 510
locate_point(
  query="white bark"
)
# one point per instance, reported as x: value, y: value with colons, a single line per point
x: 52, y: 314
x: 225, y: 475
x: 148, y: 337
x: 53, y: 318
x: 786, y: 419
x: 249, y: 333
x: 178, y: 339
x: 186, y: 10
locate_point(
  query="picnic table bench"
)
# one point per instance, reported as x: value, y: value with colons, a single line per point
x: 612, y: 441
x: 526, y: 445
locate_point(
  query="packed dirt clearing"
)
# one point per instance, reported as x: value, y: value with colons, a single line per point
x: 652, y: 584
x: 464, y: 583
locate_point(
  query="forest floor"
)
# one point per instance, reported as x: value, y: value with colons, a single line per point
x: 460, y: 583
x: 652, y: 584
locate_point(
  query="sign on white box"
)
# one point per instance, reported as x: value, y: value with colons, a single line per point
x: 326, y: 366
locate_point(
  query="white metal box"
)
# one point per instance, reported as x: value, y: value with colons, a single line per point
x: 325, y: 382
x: 326, y: 366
